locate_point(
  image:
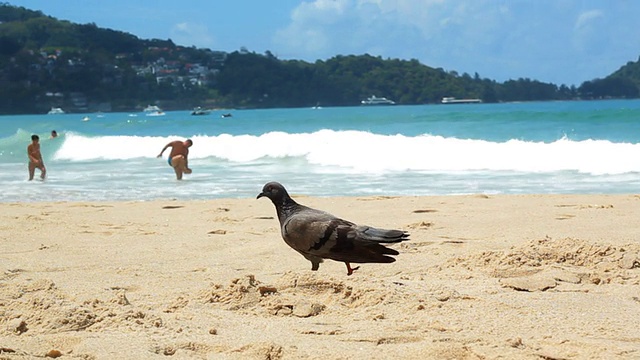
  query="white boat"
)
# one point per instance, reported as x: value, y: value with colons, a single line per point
x: 452, y: 100
x: 86, y: 118
x: 55, y: 110
x: 152, y: 109
x: 374, y: 100
x: 156, y: 113
x: 200, y: 111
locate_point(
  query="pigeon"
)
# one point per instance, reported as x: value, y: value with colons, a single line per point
x: 318, y: 235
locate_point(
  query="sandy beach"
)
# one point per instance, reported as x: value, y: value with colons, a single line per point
x: 483, y: 277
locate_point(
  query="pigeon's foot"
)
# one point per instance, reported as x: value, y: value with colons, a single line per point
x: 350, y: 270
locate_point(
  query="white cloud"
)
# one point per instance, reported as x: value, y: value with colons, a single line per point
x: 191, y: 33
x: 589, y: 36
x: 311, y: 28
x: 319, y: 11
x: 324, y: 27
x: 499, y: 39
x: 384, y: 24
x: 587, y: 17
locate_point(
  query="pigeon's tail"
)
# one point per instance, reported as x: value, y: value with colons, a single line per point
x: 370, y: 247
x: 383, y: 235
x: 369, y: 253
x: 383, y: 250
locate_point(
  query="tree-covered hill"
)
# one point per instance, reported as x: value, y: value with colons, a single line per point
x: 630, y: 71
x: 46, y: 62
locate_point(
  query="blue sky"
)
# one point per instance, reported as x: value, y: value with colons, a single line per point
x: 558, y: 41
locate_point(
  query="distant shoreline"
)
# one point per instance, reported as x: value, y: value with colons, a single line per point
x: 137, y: 110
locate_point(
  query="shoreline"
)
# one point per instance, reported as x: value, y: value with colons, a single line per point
x: 483, y: 276
x: 302, y: 196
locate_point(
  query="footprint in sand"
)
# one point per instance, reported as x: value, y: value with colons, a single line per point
x: 421, y: 225
x: 217, y: 232
x: 422, y: 211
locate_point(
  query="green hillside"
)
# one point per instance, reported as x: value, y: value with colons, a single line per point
x: 630, y: 71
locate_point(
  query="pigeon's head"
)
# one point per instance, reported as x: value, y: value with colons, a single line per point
x: 274, y: 191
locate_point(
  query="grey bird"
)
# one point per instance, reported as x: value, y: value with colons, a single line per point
x: 318, y: 235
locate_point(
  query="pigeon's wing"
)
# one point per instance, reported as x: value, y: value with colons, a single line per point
x: 319, y: 234
x: 308, y: 229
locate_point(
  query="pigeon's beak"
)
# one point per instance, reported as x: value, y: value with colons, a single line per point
x: 260, y: 195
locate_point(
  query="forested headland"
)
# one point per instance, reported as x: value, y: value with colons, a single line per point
x: 46, y: 62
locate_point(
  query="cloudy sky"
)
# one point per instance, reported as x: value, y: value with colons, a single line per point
x: 557, y: 41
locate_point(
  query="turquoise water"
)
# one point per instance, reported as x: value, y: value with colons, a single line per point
x: 515, y: 148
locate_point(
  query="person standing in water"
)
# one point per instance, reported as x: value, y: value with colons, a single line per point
x: 35, y: 158
x: 178, y: 158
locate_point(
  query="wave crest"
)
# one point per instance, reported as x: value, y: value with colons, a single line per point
x: 368, y: 152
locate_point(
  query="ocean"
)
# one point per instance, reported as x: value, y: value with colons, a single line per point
x: 511, y: 148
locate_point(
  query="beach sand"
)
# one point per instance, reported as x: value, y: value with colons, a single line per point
x: 483, y: 277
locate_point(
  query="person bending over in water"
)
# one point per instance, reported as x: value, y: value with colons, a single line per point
x: 178, y: 158
x: 35, y: 158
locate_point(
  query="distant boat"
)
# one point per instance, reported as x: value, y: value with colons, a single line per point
x: 55, y: 110
x: 152, y: 109
x: 374, y: 100
x: 452, y: 100
x: 200, y: 111
x: 155, y: 113
x: 226, y: 115
x: 86, y: 118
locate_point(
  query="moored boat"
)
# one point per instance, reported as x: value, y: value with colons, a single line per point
x: 55, y: 110
x: 200, y: 111
x: 452, y: 100
x: 156, y: 113
x: 151, y: 109
x: 374, y: 100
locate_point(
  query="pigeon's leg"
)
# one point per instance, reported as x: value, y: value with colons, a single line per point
x: 350, y: 270
x: 315, y: 261
x: 315, y: 266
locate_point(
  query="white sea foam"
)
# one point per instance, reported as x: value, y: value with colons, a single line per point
x: 360, y: 151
